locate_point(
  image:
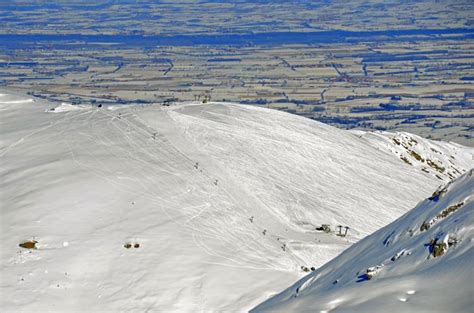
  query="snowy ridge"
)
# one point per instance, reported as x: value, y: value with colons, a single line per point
x: 66, y: 107
x: 443, y: 160
x: 422, y: 262
x: 221, y: 202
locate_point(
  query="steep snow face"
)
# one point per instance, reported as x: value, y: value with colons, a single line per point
x: 422, y: 262
x: 187, y: 208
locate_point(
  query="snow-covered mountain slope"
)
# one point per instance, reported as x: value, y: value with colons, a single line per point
x: 434, y: 157
x: 321, y: 174
x: 422, y: 262
x: 222, y: 200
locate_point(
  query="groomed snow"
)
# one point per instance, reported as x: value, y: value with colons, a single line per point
x: 407, y: 277
x: 222, y: 199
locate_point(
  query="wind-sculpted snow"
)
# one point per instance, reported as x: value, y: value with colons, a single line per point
x: 404, y: 267
x: 183, y: 208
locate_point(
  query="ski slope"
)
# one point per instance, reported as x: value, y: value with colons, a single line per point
x: 222, y: 200
x: 396, y: 269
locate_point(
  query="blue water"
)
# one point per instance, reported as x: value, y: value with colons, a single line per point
x: 13, y: 41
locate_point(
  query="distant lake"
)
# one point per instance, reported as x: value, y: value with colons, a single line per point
x: 14, y: 41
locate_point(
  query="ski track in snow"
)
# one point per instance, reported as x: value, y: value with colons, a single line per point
x: 128, y: 126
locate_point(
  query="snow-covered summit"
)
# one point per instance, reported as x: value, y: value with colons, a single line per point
x: 422, y: 262
x: 221, y: 202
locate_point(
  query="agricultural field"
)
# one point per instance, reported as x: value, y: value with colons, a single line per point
x: 355, y: 69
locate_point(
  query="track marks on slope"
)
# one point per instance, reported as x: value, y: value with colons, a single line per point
x: 211, y: 222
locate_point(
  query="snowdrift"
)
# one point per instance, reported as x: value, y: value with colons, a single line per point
x: 422, y: 262
x: 185, y: 208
